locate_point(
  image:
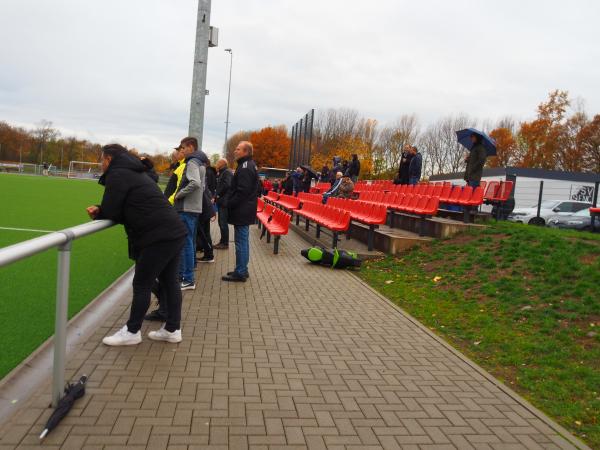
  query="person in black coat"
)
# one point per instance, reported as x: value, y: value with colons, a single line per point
x: 224, y: 180
x: 156, y: 236
x: 287, y: 186
x: 242, y: 208
x: 353, y: 168
x: 203, y: 237
x: 402, y: 177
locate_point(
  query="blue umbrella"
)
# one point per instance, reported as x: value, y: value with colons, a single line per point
x: 464, y: 138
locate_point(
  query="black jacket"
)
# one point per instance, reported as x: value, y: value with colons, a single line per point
x: 353, y: 168
x: 414, y: 168
x: 211, y: 180
x: 133, y: 199
x: 244, y: 193
x: 288, y: 185
x: 403, y: 176
x: 224, y: 180
x: 172, y: 183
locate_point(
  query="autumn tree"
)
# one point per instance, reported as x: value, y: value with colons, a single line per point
x: 506, y: 148
x: 588, y: 140
x: 391, y: 142
x: 440, y: 149
x: 342, y: 132
x: 271, y: 146
x: 544, y: 136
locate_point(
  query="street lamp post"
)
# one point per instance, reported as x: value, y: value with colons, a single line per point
x: 228, y: 97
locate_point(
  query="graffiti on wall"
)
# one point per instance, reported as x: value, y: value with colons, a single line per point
x: 582, y: 193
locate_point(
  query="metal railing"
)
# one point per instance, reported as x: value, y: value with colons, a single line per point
x: 62, y: 240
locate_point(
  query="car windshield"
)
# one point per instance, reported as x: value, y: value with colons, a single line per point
x: 547, y: 204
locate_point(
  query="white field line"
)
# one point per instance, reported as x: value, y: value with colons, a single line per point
x: 26, y: 229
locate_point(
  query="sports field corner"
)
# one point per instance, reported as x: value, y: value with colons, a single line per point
x: 31, y: 206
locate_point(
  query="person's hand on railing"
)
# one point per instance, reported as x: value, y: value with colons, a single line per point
x: 93, y: 211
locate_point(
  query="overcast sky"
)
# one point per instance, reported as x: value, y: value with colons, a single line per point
x: 120, y: 70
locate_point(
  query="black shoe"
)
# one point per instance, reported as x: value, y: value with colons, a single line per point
x: 246, y: 275
x: 221, y: 246
x: 234, y: 277
x: 206, y: 259
x: 156, y: 316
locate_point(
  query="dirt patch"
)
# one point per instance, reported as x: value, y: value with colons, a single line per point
x: 589, y: 259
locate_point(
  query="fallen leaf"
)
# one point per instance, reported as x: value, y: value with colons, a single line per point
x: 578, y: 423
x: 436, y: 279
x: 389, y: 281
x: 476, y: 342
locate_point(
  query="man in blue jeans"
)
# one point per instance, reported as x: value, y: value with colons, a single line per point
x: 242, y: 208
x: 414, y: 169
x: 188, y: 203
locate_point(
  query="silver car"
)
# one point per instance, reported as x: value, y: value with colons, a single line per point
x: 548, y: 208
x: 581, y: 220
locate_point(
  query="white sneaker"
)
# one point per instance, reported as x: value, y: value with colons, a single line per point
x: 163, y: 335
x: 187, y: 286
x: 123, y: 337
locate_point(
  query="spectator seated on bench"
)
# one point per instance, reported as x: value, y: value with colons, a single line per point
x: 334, y: 191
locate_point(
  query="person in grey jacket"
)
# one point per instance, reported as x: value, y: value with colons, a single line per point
x: 188, y: 203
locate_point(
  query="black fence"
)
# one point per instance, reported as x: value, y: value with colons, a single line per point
x: 302, y: 135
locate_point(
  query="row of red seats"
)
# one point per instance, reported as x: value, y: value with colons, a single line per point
x: 364, y: 212
x: 422, y: 205
x: 325, y: 216
x: 371, y: 214
x: 306, y: 197
x: 447, y: 194
x: 275, y: 223
x: 320, y: 188
x: 288, y: 202
x: 272, y: 195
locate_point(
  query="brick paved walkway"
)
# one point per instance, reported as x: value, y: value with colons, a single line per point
x: 298, y: 357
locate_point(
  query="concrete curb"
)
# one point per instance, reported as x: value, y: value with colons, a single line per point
x: 25, y: 379
x: 561, y: 431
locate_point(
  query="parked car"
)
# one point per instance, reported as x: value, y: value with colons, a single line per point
x: 549, y: 208
x: 581, y: 220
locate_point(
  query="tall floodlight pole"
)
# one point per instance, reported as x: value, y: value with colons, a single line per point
x: 199, y: 77
x: 228, y: 98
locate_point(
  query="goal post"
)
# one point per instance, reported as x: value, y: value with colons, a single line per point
x: 85, y: 170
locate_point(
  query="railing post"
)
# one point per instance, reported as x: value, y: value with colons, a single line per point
x: 60, y: 324
x: 539, y: 205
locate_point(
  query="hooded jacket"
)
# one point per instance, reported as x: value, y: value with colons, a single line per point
x: 133, y: 199
x: 244, y: 189
x: 193, y: 181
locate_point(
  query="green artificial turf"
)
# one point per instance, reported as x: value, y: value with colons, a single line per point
x: 522, y: 301
x: 28, y: 287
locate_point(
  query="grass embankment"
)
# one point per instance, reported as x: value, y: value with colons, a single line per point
x: 522, y: 301
x: 28, y: 287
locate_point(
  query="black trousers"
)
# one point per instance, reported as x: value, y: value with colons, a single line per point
x: 203, y: 239
x: 223, y: 226
x: 157, y: 261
